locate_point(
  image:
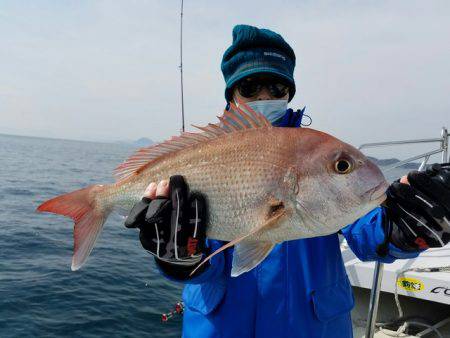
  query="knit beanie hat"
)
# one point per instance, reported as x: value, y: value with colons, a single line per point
x: 257, y: 51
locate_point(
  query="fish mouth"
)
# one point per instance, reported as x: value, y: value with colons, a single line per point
x: 378, y: 192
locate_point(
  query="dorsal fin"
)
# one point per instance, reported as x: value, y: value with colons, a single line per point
x: 236, y: 119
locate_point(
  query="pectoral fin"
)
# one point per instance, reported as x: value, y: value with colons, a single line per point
x: 249, y: 254
x: 268, y: 223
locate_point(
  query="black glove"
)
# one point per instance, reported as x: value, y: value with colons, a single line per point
x: 172, y: 229
x: 420, y: 211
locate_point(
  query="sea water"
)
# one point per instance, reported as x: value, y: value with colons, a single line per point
x: 117, y: 293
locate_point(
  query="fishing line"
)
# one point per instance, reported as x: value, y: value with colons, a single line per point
x: 181, y: 67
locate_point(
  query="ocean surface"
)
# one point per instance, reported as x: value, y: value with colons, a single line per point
x: 117, y: 293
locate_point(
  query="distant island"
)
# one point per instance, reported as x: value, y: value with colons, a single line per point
x: 139, y: 143
x: 391, y: 161
x: 143, y: 142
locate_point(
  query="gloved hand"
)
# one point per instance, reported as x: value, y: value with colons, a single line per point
x: 420, y: 210
x: 172, y: 227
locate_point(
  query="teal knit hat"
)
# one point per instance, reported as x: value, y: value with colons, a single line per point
x: 257, y: 51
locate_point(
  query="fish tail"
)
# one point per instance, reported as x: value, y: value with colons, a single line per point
x: 89, y: 217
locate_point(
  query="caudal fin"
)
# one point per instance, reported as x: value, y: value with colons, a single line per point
x: 81, y: 206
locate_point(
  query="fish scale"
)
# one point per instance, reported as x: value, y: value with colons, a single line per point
x: 230, y: 196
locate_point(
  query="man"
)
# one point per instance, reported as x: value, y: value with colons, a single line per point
x: 301, y: 289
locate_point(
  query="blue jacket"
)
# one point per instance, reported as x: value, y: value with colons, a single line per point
x: 300, y: 290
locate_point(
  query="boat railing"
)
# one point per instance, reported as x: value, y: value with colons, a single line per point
x: 443, y: 149
x: 378, y: 271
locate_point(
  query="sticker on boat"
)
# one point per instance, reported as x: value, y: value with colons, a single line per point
x: 410, y: 284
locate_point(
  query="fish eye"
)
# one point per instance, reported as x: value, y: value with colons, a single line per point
x: 343, y: 166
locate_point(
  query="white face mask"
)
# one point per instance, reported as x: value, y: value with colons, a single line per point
x: 273, y: 110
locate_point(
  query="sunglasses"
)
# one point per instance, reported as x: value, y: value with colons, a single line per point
x: 251, y: 87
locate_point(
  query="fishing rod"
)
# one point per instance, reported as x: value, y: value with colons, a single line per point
x: 181, y: 67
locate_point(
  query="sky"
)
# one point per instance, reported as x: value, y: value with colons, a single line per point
x: 367, y: 71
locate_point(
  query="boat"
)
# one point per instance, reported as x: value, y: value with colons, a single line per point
x: 408, y: 298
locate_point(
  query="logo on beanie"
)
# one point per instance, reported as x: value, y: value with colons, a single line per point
x: 275, y: 54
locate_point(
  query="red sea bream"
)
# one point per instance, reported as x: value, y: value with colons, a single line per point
x: 263, y: 185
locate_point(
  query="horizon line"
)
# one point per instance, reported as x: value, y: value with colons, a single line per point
x: 69, y: 139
